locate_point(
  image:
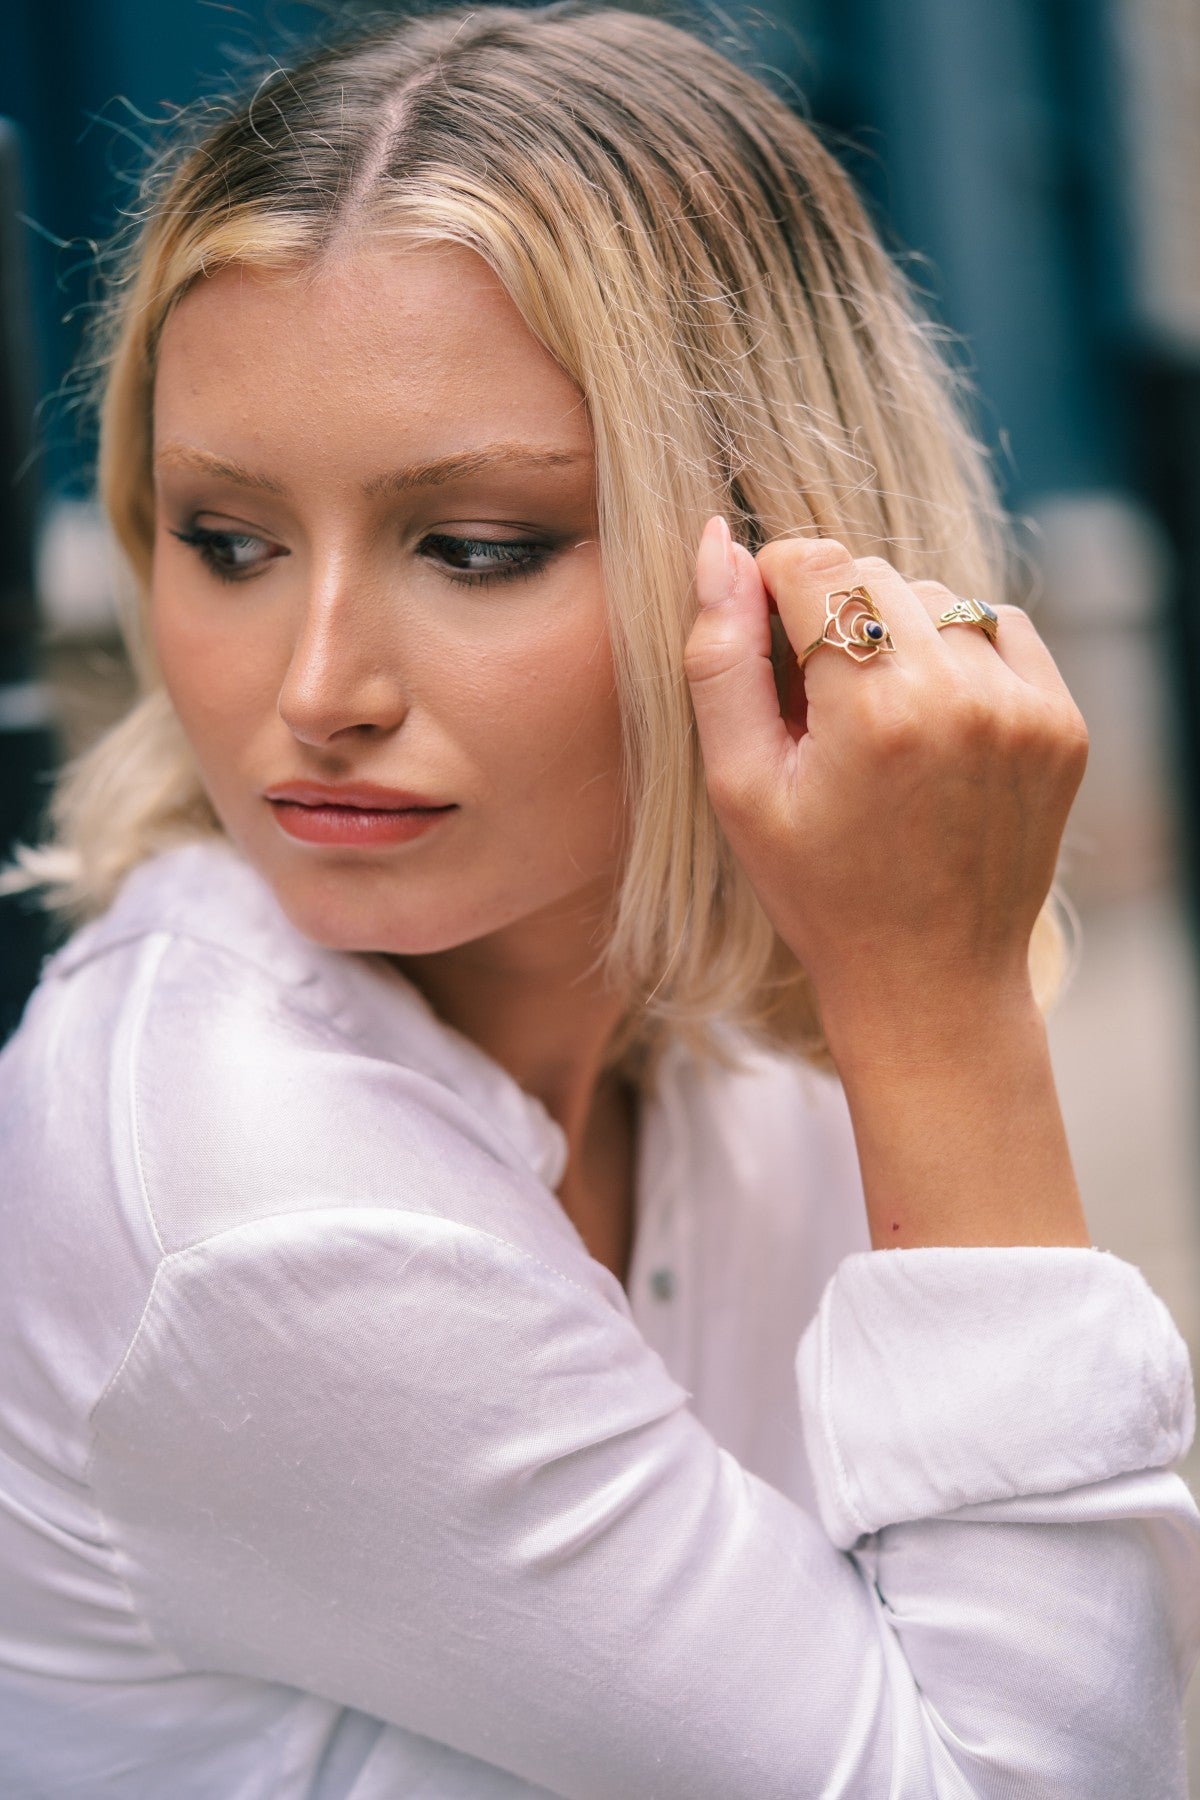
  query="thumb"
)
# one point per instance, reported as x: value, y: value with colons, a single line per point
x: 727, y: 661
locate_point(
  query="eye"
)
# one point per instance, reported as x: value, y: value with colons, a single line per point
x: 229, y: 555
x: 477, y: 561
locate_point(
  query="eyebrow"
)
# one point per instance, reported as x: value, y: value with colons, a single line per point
x: 392, y: 481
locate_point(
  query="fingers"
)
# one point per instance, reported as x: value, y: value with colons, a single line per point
x: 968, y: 644
x: 728, y: 655
x: 1020, y: 647
x: 800, y: 573
x: 727, y: 661
x: 1016, y: 644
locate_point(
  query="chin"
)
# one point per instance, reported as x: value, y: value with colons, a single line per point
x: 371, y: 911
x: 328, y: 913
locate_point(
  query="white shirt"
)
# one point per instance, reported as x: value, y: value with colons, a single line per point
x: 332, y: 1465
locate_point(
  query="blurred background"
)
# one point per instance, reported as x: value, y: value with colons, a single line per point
x: 1036, y: 164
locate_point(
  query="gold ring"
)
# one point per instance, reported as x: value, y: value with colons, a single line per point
x: 973, y: 612
x: 856, y: 626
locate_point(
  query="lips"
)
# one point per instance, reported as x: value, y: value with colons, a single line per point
x: 362, y: 795
x: 358, y: 815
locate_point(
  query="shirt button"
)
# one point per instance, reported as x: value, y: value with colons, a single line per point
x: 662, y: 1284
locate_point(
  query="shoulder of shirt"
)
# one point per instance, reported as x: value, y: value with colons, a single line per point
x: 254, y: 1074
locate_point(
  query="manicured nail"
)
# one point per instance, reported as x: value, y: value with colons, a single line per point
x: 716, y: 571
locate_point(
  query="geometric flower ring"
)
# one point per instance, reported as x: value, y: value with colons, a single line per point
x: 853, y: 623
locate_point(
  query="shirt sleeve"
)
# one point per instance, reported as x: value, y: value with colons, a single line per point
x: 403, y: 1464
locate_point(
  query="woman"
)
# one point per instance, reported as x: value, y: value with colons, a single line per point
x: 419, y: 1211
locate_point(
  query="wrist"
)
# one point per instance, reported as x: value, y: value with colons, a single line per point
x: 959, y: 1133
x: 934, y: 1027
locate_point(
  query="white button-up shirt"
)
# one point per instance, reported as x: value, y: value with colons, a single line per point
x: 332, y: 1465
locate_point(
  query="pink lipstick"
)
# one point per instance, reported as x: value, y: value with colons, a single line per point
x: 355, y: 814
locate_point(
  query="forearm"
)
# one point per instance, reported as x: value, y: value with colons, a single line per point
x: 956, y: 1118
x: 901, y: 832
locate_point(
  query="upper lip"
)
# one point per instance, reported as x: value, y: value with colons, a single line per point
x: 363, y: 794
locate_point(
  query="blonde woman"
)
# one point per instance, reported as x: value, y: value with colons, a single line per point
x: 459, y: 1337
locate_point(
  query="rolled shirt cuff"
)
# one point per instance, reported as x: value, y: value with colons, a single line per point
x: 933, y: 1379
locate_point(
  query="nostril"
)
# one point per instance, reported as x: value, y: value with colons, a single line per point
x: 363, y: 709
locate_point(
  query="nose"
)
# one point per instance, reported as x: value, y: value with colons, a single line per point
x: 340, y: 678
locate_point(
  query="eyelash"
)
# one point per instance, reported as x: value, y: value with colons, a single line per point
x: 513, y: 557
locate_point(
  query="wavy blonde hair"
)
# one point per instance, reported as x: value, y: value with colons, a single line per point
x: 684, y: 246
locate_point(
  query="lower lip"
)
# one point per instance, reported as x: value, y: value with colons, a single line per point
x: 354, y: 824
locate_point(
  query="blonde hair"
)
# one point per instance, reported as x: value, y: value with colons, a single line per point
x: 692, y: 256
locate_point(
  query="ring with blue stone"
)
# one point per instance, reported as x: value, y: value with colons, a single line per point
x: 972, y: 612
x: 853, y: 623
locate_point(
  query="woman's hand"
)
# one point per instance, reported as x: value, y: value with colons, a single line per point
x: 900, y: 821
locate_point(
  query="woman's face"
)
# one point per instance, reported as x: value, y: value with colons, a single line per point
x: 377, y: 585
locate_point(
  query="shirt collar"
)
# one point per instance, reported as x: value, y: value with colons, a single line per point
x: 207, y: 891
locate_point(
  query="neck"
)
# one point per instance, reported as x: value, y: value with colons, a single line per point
x: 531, y: 999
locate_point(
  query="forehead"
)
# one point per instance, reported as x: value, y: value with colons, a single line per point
x: 374, y: 338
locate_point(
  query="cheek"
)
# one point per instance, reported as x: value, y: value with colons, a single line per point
x: 559, y: 716
x: 575, y: 760
x: 219, y: 680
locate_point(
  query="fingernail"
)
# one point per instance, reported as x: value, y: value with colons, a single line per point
x: 716, y: 571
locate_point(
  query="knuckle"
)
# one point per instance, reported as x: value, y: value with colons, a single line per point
x: 975, y: 716
x: 708, y: 655
x: 1052, y: 735
x: 720, y: 789
x: 703, y: 662
x: 802, y: 556
x: 1023, y: 735
x: 728, y: 789
x: 935, y: 592
x: 1015, y: 614
x: 1074, y: 737
x: 893, y: 720
x: 959, y: 707
x: 875, y: 566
